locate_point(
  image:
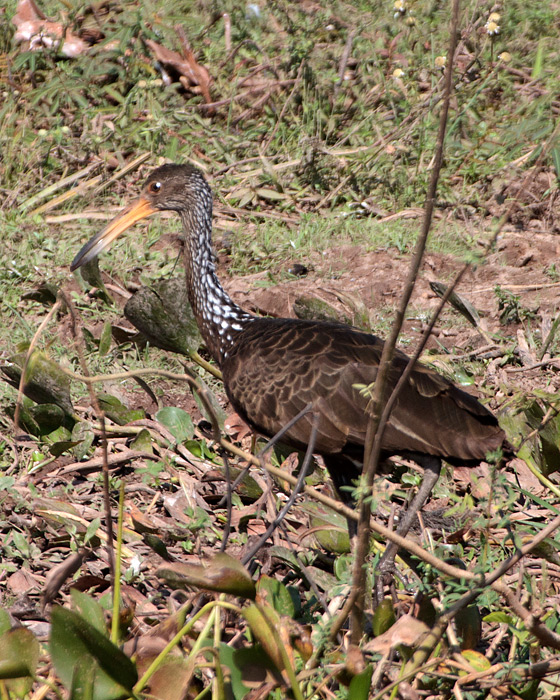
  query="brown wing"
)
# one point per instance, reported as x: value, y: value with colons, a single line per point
x: 277, y: 367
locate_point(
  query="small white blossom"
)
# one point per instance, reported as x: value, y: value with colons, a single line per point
x: 492, y: 27
x: 399, y: 7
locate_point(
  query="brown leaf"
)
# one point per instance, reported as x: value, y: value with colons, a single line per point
x: 187, y: 67
x: 137, y: 600
x: 27, y: 11
x: 246, y: 516
x: 222, y: 573
x: 407, y: 630
x: 142, y: 522
x: 476, y: 479
x: 236, y: 427
x: 22, y: 581
x: 32, y: 26
x: 59, y: 574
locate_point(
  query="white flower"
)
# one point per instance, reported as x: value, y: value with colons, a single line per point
x: 492, y: 27
x: 399, y: 7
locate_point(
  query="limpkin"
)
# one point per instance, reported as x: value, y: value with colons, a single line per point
x: 274, y: 367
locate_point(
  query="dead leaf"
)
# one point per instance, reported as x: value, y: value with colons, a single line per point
x: 236, y: 427
x: 143, y: 523
x: 32, y: 26
x: 527, y: 356
x: 59, y: 574
x: 191, y: 73
x: 407, y: 630
x: 27, y: 11
x: 22, y: 581
x: 221, y: 573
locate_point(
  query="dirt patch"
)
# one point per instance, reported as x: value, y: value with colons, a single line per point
x: 349, y: 277
x: 536, y: 205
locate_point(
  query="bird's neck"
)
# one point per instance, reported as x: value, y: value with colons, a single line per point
x: 219, y: 318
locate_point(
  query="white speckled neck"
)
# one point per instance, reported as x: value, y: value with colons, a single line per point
x: 219, y: 318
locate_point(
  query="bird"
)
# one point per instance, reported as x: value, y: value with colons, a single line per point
x: 277, y: 369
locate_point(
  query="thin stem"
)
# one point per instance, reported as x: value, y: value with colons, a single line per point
x: 117, y: 579
x: 374, y: 435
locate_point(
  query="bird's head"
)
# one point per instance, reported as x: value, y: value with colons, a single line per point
x: 180, y: 188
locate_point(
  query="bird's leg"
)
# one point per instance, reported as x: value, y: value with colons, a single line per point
x: 432, y: 468
x: 344, y: 473
x: 295, y: 492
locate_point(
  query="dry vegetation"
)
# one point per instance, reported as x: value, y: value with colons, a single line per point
x: 316, y: 127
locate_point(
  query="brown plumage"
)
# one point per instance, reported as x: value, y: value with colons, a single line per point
x: 274, y: 368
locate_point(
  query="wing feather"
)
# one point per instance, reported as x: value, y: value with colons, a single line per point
x: 279, y: 367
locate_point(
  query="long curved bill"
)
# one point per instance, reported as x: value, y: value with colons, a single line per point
x: 138, y: 210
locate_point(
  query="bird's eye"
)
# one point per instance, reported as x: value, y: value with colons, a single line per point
x: 154, y: 187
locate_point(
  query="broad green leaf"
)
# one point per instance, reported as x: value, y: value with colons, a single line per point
x: 477, y: 660
x: 262, y: 619
x: 330, y: 529
x: 530, y: 691
x: 83, y: 436
x: 5, y: 621
x: 61, y: 446
x: 73, y: 639
x: 142, y: 442
x: 22, y: 543
x: 277, y: 595
x: 199, y: 448
x: 117, y: 411
x: 235, y: 672
x: 383, y: 617
x: 90, y: 609
x: 61, y: 434
x: 91, y: 530
x: 360, y: 685
x: 249, y: 664
x: 83, y: 680
x: 19, y: 653
x: 177, y: 421
x: 105, y: 339
x: 501, y: 617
